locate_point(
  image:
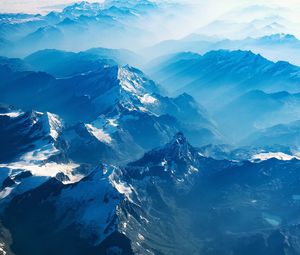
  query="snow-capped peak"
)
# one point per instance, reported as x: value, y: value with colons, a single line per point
x: 53, y: 124
x: 179, y: 147
x: 99, y: 133
x: 138, y: 87
x: 12, y: 114
x: 273, y: 155
x: 83, y: 7
x: 177, y: 159
x: 179, y: 138
x: 93, y: 201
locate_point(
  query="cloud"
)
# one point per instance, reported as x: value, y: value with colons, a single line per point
x: 35, y: 6
x: 214, y: 6
x: 197, y: 14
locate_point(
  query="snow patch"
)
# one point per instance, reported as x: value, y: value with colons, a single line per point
x: 143, y: 109
x: 46, y: 170
x: 141, y: 237
x: 128, y: 80
x: 55, y: 124
x: 40, y: 174
x: 5, y: 192
x: 99, y: 134
x: 51, y: 124
x: 270, y: 155
x: 120, y: 186
x: 42, y: 153
x: 271, y: 219
x: 144, y: 219
x: 93, y: 202
x: 112, y: 122
x: 148, y: 99
x: 193, y: 170
x: 164, y: 162
x: 12, y: 114
x: 2, y: 251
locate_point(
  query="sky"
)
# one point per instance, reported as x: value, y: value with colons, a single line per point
x: 35, y: 6
x: 42, y: 6
x: 202, y: 12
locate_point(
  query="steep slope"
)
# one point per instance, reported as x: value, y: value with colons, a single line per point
x: 281, y: 134
x: 64, y: 64
x: 116, y: 106
x: 80, y: 26
x: 81, y: 97
x: 32, y: 151
x: 42, y: 38
x: 78, y: 218
x: 219, y: 76
x: 275, y: 47
x: 250, y: 20
x: 172, y: 200
x: 14, y: 64
x: 257, y: 110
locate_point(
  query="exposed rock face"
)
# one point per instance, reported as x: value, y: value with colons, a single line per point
x: 172, y: 200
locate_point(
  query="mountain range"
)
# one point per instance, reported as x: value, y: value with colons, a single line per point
x: 150, y: 207
x: 108, y: 110
x: 138, y: 127
x: 276, y: 46
x: 84, y: 25
x: 234, y: 86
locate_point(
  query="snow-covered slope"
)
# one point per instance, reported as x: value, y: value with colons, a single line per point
x: 32, y: 151
x: 113, y: 112
x: 168, y: 202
